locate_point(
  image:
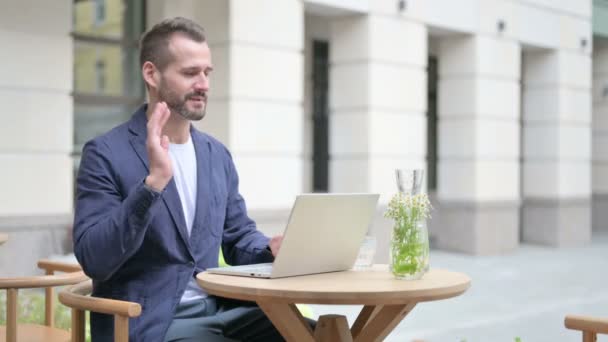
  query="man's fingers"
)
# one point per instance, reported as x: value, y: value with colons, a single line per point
x: 164, y: 142
x: 165, y: 114
x: 154, y: 117
x: 158, y: 118
x: 153, y: 121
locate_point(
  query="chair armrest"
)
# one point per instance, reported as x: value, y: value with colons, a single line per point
x: 587, y: 323
x: 51, y: 266
x: 77, y: 297
x: 42, y: 281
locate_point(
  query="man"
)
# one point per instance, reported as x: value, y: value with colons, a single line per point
x: 155, y: 200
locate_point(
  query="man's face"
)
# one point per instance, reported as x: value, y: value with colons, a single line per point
x: 185, y: 81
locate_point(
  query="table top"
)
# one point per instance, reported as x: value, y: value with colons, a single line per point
x: 374, y: 286
x: 3, y: 238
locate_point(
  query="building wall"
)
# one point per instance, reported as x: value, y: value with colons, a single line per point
x: 485, y: 130
x: 514, y: 111
x: 501, y: 65
x: 36, y: 130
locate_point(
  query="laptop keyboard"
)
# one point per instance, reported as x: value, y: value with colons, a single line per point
x: 265, y: 269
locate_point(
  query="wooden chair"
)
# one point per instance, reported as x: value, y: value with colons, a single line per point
x: 590, y: 326
x: 13, y: 332
x: 3, y: 238
x: 78, y: 298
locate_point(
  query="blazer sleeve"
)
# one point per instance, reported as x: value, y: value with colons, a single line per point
x: 108, y: 226
x: 242, y: 243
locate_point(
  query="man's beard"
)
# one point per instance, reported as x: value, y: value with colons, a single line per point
x: 178, y: 105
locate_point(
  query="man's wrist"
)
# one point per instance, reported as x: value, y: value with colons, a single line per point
x: 152, y: 189
x: 155, y: 185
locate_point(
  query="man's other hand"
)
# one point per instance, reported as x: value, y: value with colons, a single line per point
x: 275, y: 244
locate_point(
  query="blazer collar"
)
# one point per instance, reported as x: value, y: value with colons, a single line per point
x: 138, y: 122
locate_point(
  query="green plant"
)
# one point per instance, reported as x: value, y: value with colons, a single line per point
x: 409, y: 243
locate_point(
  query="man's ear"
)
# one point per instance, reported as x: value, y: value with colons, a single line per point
x: 150, y: 74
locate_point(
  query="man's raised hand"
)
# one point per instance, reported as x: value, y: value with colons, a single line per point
x: 157, y: 145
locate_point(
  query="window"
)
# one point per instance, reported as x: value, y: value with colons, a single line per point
x: 107, y: 81
x: 431, y: 134
x: 100, y: 76
x: 100, y: 11
x: 320, y: 74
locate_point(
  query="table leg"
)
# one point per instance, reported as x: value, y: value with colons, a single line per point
x: 381, y: 321
x: 332, y: 328
x: 365, y: 315
x: 288, y: 321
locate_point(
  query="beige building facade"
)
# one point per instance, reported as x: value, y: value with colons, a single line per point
x: 502, y: 102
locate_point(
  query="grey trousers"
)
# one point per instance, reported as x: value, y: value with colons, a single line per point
x: 219, y: 319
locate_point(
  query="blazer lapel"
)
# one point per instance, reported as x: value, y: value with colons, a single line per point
x: 170, y: 195
x: 174, y: 204
x: 204, y: 194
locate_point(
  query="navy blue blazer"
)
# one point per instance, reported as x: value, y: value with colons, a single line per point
x: 133, y: 242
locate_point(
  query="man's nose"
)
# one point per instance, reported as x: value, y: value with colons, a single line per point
x: 202, y: 84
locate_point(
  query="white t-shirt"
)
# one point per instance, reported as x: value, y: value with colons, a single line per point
x: 183, y: 159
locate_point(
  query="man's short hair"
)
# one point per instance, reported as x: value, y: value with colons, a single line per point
x: 154, y: 44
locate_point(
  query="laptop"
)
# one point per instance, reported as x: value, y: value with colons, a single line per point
x: 323, y: 234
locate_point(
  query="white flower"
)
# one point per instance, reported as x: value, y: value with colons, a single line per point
x: 402, y: 206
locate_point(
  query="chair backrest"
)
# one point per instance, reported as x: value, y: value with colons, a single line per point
x: 3, y: 238
x: 589, y: 326
x: 78, y: 298
x: 48, y: 281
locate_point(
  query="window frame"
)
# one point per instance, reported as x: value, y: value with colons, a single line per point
x: 134, y: 24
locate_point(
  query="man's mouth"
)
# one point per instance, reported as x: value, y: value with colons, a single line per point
x: 198, y: 98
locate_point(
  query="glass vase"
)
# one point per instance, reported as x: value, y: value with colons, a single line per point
x: 409, y: 243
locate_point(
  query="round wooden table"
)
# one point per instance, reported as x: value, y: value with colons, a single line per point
x: 3, y: 238
x: 386, y: 300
